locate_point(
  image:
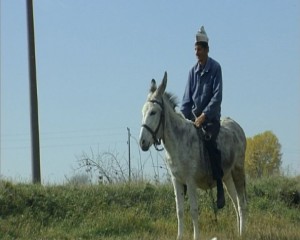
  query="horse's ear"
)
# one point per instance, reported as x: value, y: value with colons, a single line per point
x: 162, y: 87
x: 153, y: 86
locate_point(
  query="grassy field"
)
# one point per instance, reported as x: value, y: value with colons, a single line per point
x: 142, y: 211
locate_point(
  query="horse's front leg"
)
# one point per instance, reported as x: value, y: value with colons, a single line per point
x: 179, y: 198
x: 192, y: 195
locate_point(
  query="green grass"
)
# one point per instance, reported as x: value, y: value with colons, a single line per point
x: 141, y: 211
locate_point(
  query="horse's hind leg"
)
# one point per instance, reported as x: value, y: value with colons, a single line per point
x: 238, y: 175
x: 231, y: 190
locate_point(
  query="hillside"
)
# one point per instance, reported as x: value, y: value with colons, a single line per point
x: 142, y: 211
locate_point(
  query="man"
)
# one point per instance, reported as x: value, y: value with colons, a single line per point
x: 201, y: 103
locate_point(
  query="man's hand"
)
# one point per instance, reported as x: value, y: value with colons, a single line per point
x: 200, y: 120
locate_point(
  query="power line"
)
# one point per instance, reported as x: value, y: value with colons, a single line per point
x: 56, y: 139
x: 65, y: 131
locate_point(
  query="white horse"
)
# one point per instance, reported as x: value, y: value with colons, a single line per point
x: 185, y: 154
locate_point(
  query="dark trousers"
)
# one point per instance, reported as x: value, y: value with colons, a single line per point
x: 211, y: 130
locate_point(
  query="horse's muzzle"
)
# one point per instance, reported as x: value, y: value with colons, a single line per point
x: 144, y: 146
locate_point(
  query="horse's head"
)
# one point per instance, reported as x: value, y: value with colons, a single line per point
x: 153, y: 116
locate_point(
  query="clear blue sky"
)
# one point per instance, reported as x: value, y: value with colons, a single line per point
x: 95, y: 60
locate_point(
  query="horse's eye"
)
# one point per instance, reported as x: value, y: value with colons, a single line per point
x: 152, y: 113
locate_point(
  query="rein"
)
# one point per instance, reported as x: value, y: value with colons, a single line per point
x: 157, y: 141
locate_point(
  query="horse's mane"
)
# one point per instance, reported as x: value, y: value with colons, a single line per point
x: 173, y: 100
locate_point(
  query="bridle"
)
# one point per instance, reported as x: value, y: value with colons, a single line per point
x: 157, y: 141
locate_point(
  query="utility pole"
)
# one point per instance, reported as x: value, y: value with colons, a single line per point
x: 129, y: 160
x: 35, y: 142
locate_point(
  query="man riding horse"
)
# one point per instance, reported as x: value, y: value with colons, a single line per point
x: 201, y: 103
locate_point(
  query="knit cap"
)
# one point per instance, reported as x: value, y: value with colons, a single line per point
x: 201, y: 35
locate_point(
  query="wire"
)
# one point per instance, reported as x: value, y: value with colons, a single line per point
x: 91, y: 137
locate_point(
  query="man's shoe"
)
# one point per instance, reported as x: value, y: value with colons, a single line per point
x: 220, y: 195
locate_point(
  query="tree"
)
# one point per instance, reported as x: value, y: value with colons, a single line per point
x: 263, y: 155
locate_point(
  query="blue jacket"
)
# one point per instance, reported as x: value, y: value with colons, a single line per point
x: 203, y: 92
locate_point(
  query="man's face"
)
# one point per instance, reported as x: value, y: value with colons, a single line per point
x: 201, y: 53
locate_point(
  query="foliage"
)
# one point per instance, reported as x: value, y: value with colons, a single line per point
x: 106, y: 166
x: 263, y: 155
x: 141, y: 211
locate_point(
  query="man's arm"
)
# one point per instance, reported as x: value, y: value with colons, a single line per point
x: 187, y: 102
x: 213, y: 107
